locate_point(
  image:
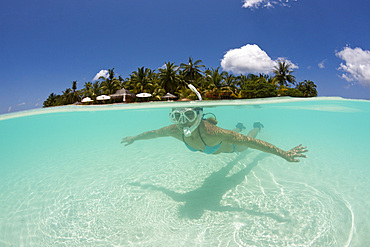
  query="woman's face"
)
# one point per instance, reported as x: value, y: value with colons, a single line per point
x: 183, y: 117
x: 180, y: 126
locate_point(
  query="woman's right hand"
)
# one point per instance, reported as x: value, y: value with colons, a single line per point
x: 294, y: 153
x: 128, y: 140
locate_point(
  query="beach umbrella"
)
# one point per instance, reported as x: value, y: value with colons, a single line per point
x: 86, y: 100
x: 103, y: 97
x: 169, y: 96
x: 143, y: 95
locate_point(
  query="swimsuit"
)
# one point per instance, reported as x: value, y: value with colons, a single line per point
x: 207, y: 149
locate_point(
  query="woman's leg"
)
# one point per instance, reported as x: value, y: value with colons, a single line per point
x: 253, y: 134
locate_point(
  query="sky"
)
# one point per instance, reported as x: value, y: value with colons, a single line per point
x: 45, y: 45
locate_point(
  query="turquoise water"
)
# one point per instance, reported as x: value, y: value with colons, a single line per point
x: 67, y: 181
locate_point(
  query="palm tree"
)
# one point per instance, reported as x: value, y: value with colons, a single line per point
x: 215, y: 81
x: 50, y: 101
x: 95, y: 90
x: 262, y: 78
x: 185, y: 92
x: 157, y: 91
x: 111, y: 84
x: 283, y: 74
x: 169, y: 78
x: 140, y: 80
x: 74, y: 86
x: 192, y: 70
x: 215, y: 78
x: 121, y: 81
x: 75, y: 95
x: 230, y: 81
x: 67, y: 96
x: 308, y: 88
x: 111, y: 73
x: 241, y: 80
x: 251, y: 77
x: 86, y: 91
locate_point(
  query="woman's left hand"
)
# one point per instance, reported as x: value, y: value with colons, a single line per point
x: 294, y: 153
x: 128, y: 140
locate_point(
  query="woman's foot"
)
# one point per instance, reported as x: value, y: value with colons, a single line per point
x: 258, y: 125
x: 239, y: 127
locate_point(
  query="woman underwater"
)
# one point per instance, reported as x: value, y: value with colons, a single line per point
x: 200, y: 134
x: 203, y: 135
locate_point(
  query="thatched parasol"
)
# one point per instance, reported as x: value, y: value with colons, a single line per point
x: 169, y: 96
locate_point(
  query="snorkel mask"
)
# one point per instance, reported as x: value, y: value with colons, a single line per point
x: 186, y: 115
x: 183, y: 115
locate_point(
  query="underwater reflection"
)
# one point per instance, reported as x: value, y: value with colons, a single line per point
x: 209, y: 195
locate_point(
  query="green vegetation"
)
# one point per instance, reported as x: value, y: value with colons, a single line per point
x: 211, y: 83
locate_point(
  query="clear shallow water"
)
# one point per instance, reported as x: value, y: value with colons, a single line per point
x: 67, y: 181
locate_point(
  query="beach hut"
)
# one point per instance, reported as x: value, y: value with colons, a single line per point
x: 122, y: 93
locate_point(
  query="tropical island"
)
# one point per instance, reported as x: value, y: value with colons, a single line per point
x: 171, y: 79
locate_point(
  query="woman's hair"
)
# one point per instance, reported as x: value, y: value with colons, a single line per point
x: 211, y: 120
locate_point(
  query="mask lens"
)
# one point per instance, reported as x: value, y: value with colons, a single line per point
x: 183, y: 116
x: 176, y: 116
x: 190, y: 115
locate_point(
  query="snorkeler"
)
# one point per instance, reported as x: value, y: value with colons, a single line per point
x: 200, y: 134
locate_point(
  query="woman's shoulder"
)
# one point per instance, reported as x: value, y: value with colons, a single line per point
x: 210, y: 128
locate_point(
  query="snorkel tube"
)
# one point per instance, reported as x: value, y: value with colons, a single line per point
x: 192, y: 88
x: 188, y: 130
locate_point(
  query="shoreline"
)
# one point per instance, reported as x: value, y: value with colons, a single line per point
x: 166, y: 104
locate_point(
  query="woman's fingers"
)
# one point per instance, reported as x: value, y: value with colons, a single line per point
x: 300, y: 149
x: 296, y: 152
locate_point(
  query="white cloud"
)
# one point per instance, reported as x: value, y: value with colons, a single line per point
x: 356, y: 66
x: 322, y: 64
x: 20, y: 104
x: 252, y: 3
x: 103, y: 73
x: 255, y: 4
x: 249, y: 59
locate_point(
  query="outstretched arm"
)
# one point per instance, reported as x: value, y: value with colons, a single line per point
x: 242, y: 140
x: 162, y: 132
